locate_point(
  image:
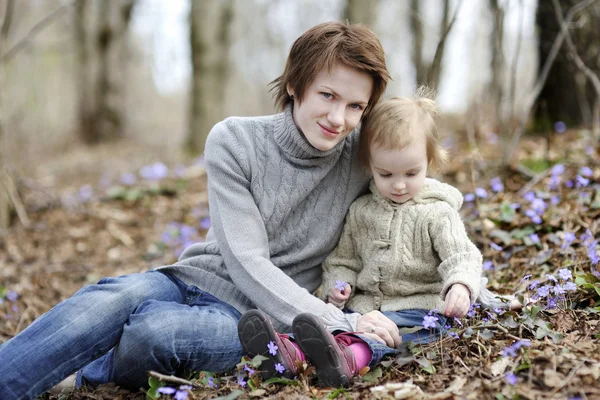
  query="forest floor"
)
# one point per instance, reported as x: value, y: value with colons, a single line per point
x: 538, y: 234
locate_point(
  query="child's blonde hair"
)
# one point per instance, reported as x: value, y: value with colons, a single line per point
x: 394, y: 123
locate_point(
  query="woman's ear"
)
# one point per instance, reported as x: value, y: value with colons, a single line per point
x: 290, y: 90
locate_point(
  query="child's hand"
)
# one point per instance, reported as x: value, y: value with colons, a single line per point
x: 337, y: 296
x: 457, y: 301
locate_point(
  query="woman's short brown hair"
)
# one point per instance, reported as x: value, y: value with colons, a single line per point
x: 394, y: 123
x: 324, y: 46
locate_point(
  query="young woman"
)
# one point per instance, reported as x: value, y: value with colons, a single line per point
x: 279, y: 188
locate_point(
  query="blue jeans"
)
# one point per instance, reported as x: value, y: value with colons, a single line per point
x: 406, y: 319
x: 117, y: 330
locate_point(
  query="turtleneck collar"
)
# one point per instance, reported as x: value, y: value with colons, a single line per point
x: 293, y: 143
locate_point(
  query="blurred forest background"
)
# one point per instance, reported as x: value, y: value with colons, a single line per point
x: 141, y: 80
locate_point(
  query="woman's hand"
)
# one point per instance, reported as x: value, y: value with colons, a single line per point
x: 377, y: 326
x: 458, y: 300
x: 339, y: 297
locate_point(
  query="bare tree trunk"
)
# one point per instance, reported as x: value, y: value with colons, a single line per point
x: 210, y: 30
x: 361, y: 11
x: 100, y: 35
x: 416, y: 26
x: 496, y: 87
x: 6, y: 206
x: 567, y: 95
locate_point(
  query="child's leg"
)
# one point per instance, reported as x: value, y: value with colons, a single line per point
x: 414, y: 319
x: 258, y: 337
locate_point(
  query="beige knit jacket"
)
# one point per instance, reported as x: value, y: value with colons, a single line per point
x: 404, y: 256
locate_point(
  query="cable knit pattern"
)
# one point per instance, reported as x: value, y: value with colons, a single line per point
x: 277, y: 207
x: 404, y: 256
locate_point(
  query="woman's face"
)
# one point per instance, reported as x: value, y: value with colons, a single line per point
x: 332, y: 105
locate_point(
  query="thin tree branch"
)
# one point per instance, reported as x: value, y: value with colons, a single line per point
x: 7, y: 20
x: 541, y: 81
x: 439, y: 51
x: 37, y: 28
x: 573, y: 50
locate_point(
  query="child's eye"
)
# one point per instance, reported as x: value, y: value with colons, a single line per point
x: 411, y: 174
x: 385, y: 175
x: 326, y: 95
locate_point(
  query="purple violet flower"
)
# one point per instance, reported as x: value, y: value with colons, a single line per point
x: 154, y: 172
x: 551, y: 278
x: 469, y: 197
x: 526, y: 277
x: 564, y: 274
x: 534, y: 284
x: 429, y: 321
x: 279, y: 368
x: 211, y: 382
x: 586, y: 171
x: 481, y: 192
x: 205, y: 223
x: 570, y: 286
x: 241, y: 381
x: 534, y: 238
x: 11, y: 295
x: 272, y: 348
x: 166, y: 390
x: 568, y: 238
x: 529, y: 196
x: 340, y: 285
x: 511, y: 378
x: 128, y: 179
x: 581, y: 181
x: 488, y: 265
x: 560, y: 127
x: 558, y: 169
x: 543, y: 291
x: 496, y: 184
x: 495, y: 246
x: 249, y: 370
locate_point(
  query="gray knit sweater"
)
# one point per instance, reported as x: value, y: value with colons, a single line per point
x: 277, y: 208
x: 404, y: 256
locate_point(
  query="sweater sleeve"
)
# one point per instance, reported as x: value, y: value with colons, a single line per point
x: 461, y: 261
x: 242, y: 237
x: 344, y: 263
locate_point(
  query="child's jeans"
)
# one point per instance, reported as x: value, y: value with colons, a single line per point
x: 407, y: 319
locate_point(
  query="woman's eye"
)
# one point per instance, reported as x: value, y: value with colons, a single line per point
x: 357, y: 107
x: 327, y: 95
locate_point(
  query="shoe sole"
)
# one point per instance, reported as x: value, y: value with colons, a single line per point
x: 320, y: 349
x: 255, y: 332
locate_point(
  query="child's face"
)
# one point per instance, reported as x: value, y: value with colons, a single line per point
x: 400, y: 174
x: 332, y: 105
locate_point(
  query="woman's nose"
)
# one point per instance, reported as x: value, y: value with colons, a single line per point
x: 336, y: 115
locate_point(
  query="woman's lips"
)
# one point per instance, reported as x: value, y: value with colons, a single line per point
x: 328, y: 132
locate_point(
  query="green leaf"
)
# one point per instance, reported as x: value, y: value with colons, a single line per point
x: 509, y: 322
x: 487, y: 334
x: 507, y: 214
x: 2, y: 292
x: 502, y: 235
x: 373, y: 376
x: 335, y: 393
x: 426, y: 365
x: 257, y: 360
x: 541, y: 333
x: 522, y: 233
x: 152, y: 394
x: 282, y: 380
x: 154, y: 382
x: 468, y: 332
